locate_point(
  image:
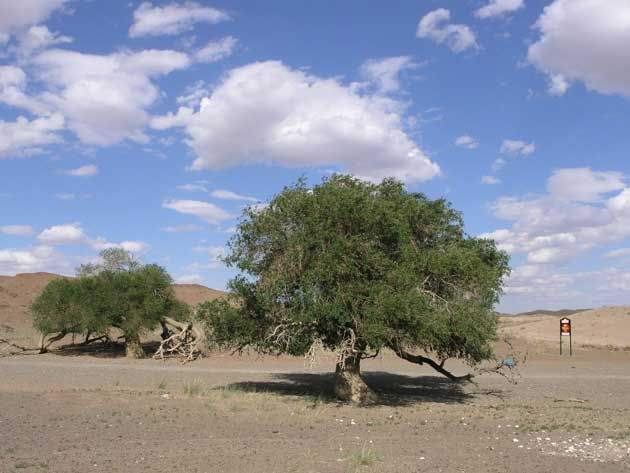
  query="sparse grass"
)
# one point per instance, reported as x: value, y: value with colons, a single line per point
x: 195, y: 388
x: 24, y: 465
x: 363, y: 458
x: 162, y: 385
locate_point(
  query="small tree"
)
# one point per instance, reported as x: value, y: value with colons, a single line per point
x: 118, y: 292
x: 359, y: 267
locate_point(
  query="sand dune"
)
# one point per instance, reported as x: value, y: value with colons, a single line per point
x: 598, y: 327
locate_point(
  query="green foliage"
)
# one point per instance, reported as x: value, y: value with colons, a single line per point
x: 350, y: 261
x: 129, y: 296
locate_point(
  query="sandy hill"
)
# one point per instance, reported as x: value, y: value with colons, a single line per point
x: 598, y: 327
x: 17, y: 293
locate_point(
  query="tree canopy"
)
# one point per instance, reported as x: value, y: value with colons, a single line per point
x: 360, y: 267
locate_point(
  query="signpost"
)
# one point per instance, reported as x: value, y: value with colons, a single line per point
x: 565, y: 331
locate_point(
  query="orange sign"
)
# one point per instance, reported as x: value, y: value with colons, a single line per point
x: 565, y: 327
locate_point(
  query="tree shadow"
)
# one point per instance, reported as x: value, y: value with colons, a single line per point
x: 101, y: 349
x: 392, y: 389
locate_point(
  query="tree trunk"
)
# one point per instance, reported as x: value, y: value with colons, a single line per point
x: 349, y: 385
x: 133, y: 348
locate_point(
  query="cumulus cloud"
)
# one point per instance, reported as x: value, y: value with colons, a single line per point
x: 17, y: 230
x: 517, y: 147
x: 385, y: 73
x: 73, y: 234
x: 104, y: 97
x: 24, y: 137
x: 18, y: 16
x: 498, y: 8
x: 229, y: 195
x: 584, y: 40
x: 583, y: 184
x: 36, y: 38
x: 289, y: 122
x: 564, y: 223
x: 466, y: 141
x: 203, y: 210
x: 83, y: 171
x: 216, y: 50
x: 66, y: 234
x: 436, y: 27
x: 39, y: 258
x: 172, y: 19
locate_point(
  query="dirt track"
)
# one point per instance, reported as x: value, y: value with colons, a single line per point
x: 75, y: 414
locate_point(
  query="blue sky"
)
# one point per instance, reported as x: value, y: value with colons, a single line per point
x: 150, y: 125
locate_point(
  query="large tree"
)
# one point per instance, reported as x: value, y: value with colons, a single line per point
x: 360, y: 267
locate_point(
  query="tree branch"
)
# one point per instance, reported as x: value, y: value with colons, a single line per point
x: 421, y: 360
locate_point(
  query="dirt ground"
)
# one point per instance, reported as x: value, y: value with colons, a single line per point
x: 248, y: 414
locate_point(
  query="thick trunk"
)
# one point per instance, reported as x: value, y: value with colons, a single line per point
x: 349, y: 385
x: 133, y: 348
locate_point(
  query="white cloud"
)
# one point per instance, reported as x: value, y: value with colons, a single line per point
x: 134, y: 247
x: 583, y: 184
x: 17, y: 230
x: 193, y: 94
x: 73, y: 234
x: 192, y: 188
x: 289, y: 122
x: 172, y: 19
x: 559, y: 226
x: 216, y: 255
x: 203, y: 210
x: 83, y: 171
x: 584, y: 40
x: 181, y: 228
x: 39, y: 258
x: 38, y: 37
x: 71, y: 196
x: 229, y: 195
x: 466, y: 141
x: 18, y: 16
x: 517, y: 147
x: 67, y: 234
x: 385, y: 73
x: 436, y: 27
x: 619, y: 253
x: 25, y: 138
x: 216, y: 50
x: 189, y: 279
x: 490, y: 180
x: 497, y: 8
x: 102, y: 97
x: 13, y: 81
x: 498, y: 164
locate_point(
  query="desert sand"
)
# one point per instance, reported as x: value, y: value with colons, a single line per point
x: 73, y: 411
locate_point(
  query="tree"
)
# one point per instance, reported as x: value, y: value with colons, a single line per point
x: 359, y: 267
x: 115, y: 293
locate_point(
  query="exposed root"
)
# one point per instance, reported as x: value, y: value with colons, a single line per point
x: 182, y: 340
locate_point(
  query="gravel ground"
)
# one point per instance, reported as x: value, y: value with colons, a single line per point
x: 231, y: 414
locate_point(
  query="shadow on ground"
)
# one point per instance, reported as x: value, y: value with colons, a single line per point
x: 102, y: 350
x: 393, y: 389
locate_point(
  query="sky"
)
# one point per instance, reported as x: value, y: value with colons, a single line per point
x: 151, y: 125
